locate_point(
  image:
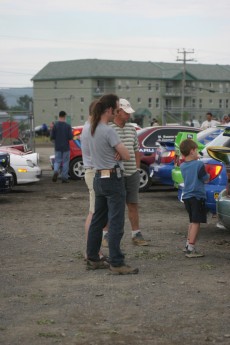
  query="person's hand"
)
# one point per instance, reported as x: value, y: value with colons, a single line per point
x: 117, y: 156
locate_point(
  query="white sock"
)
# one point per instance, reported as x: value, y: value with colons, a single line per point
x: 134, y: 232
x: 191, y: 247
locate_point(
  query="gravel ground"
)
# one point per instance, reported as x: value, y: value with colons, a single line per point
x: 48, y: 297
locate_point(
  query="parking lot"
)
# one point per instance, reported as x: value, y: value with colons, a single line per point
x: 48, y: 296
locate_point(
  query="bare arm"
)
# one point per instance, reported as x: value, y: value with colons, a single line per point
x: 123, y: 151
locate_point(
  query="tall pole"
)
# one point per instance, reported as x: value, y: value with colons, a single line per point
x: 184, y: 60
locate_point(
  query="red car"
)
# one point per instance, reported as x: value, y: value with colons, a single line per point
x: 149, y: 140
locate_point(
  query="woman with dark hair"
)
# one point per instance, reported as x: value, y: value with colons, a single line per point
x: 107, y: 152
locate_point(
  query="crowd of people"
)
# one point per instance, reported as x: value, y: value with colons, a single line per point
x: 111, y: 160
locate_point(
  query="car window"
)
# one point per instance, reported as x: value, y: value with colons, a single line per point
x: 220, y: 140
x: 209, y: 134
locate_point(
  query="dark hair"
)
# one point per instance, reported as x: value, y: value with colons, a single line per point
x: 105, y: 102
x: 62, y: 113
x: 91, y: 106
x: 186, y: 146
x: 209, y: 113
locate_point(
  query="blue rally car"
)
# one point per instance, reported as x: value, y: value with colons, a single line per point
x: 161, y: 170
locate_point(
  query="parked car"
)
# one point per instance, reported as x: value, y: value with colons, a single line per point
x: 161, y: 169
x: 223, y: 208
x: 6, y: 179
x: 23, y: 166
x: 149, y: 140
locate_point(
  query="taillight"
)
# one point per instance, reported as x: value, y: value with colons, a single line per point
x: 213, y: 170
x: 167, y: 156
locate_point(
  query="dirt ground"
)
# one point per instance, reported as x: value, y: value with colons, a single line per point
x: 48, y: 297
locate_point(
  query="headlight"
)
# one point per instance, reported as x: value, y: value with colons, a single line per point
x: 2, y: 170
x: 30, y: 163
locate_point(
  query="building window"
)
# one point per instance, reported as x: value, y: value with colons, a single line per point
x: 168, y: 103
x: 55, y: 102
x: 157, y: 87
x: 127, y: 85
x: 210, y: 101
x: 138, y: 83
x: 226, y: 103
x: 139, y: 100
x: 55, y: 84
x: 193, y: 86
x: 200, y: 103
x: 81, y: 81
x: 221, y: 89
x: 150, y: 102
x: 220, y: 103
x: 194, y: 103
x: 157, y: 103
x: 201, y: 87
x: 149, y: 86
x: 82, y: 100
x: 211, y: 85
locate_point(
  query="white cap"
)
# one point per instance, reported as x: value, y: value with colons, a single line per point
x: 125, y: 105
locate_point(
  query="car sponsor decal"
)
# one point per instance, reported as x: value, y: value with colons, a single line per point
x: 216, y: 195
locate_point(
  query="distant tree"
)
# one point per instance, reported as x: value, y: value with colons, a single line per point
x: 3, y: 104
x: 24, y: 102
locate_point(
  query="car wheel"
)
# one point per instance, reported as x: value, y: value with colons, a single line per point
x: 76, y: 169
x: 145, y: 180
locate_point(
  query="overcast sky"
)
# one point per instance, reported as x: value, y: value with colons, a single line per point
x: 33, y: 33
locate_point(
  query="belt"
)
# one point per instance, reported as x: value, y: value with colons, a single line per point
x: 106, y: 170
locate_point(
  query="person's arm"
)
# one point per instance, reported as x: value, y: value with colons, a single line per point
x: 202, y: 174
x: 123, y: 151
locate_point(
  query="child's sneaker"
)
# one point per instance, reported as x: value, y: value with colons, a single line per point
x: 193, y: 254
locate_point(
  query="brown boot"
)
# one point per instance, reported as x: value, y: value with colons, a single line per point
x: 124, y: 269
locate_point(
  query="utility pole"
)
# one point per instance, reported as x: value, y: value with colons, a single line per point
x: 184, y: 60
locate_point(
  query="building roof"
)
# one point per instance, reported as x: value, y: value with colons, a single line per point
x: 94, y: 68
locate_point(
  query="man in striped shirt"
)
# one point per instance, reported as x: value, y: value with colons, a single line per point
x: 128, y: 136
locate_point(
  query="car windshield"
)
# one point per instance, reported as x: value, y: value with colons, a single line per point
x: 220, y: 140
x: 209, y: 134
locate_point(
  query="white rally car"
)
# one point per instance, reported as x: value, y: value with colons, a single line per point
x: 23, y: 166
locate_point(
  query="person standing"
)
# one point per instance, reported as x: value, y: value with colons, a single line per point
x: 109, y: 187
x: 89, y: 171
x: 194, y: 195
x: 61, y: 134
x: 128, y: 136
x: 209, y: 122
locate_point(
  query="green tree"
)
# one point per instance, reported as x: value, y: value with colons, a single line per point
x: 3, y: 104
x: 24, y: 102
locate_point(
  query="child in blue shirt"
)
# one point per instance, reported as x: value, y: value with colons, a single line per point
x: 194, y: 195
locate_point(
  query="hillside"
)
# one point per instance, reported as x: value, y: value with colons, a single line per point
x: 11, y: 95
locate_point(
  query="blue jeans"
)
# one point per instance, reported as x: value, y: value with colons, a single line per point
x: 62, y: 160
x: 109, y: 208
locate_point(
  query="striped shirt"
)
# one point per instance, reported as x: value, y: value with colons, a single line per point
x: 128, y: 136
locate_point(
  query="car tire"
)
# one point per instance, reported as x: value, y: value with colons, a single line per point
x: 145, y: 180
x: 76, y: 169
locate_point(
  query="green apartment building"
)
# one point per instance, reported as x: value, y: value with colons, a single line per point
x: 170, y: 92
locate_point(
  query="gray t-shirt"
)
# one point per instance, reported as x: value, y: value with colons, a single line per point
x: 87, y: 161
x: 102, y: 147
